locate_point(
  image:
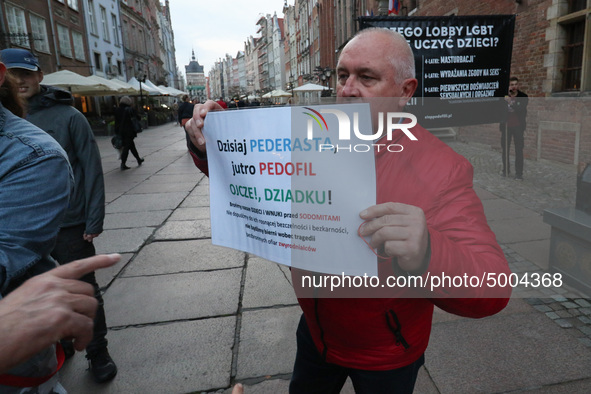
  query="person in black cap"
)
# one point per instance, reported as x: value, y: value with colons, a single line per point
x: 51, y: 110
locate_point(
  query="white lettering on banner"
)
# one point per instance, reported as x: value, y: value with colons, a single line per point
x: 393, y: 119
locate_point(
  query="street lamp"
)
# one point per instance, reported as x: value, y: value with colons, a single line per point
x: 326, y: 76
x: 323, y: 74
x: 141, y: 78
x: 291, y: 83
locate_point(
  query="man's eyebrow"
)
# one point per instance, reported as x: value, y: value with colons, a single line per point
x: 367, y: 70
x: 359, y: 70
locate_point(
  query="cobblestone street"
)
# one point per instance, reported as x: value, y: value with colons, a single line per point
x: 545, y: 185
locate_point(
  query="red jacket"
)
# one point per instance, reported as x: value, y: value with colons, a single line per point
x: 389, y: 333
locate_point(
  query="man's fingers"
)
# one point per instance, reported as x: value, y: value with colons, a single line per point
x: 389, y: 208
x: 193, y: 132
x: 382, y: 222
x: 80, y: 330
x: 79, y: 311
x: 90, y: 237
x: 371, y: 226
x: 390, y: 233
x: 200, y: 112
x: 238, y: 389
x: 81, y: 303
x: 194, y: 127
x: 79, y: 268
x: 75, y: 286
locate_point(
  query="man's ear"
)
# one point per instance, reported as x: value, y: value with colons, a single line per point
x: 408, y: 90
x: 40, y: 75
x: 2, y: 73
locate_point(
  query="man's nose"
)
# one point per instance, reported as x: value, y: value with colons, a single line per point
x: 350, y: 89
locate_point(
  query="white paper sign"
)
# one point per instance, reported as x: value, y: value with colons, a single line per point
x: 288, y: 183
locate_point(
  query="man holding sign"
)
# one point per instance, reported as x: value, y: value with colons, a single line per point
x: 427, y: 222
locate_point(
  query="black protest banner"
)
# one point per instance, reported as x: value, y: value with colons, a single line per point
x: 462, y: 66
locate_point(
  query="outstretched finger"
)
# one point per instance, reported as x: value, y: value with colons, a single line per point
x: 238, y: 389
x: 77, y: 269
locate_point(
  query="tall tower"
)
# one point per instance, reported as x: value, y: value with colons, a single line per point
x: 195, y: 79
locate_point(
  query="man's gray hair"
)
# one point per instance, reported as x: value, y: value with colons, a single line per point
x: 403, y: 61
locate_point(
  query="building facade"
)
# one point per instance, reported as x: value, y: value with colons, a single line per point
x: 170, y: 77
x: 141, y: 39
x: 106, y: 54
x: 54, y: 31
x: 278, y: 42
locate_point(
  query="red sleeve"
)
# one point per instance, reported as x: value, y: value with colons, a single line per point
x: 199, y: 158
x: 463, y: 245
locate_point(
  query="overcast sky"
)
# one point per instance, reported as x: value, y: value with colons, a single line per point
x: 216, y: 27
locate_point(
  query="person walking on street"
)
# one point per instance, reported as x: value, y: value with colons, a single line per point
x: 514, y: 128
x: 127, y: 126
x: 185, y: 110
x: 175, y: 112
x: 51, y: 110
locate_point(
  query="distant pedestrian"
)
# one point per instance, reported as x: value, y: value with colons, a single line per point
x: 175, y: 111
x: 222, y: 103
x: 514, y: 128
x: 185, y: 111
x: 51, y: 110
x: 127, y: 126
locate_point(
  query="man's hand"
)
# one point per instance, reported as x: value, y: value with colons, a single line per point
x: 194, y: 127
x: 397, y: 230
x: 47, y: 308
x: 90, y: 237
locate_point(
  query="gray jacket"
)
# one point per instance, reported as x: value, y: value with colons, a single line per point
x: 51, y: 111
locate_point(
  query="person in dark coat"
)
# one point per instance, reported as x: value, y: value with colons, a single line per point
x: 514, y: 128
x: 126, y: 126
x: 185, y: 110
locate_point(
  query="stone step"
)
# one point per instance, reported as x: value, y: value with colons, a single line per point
x: 444, y: 133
